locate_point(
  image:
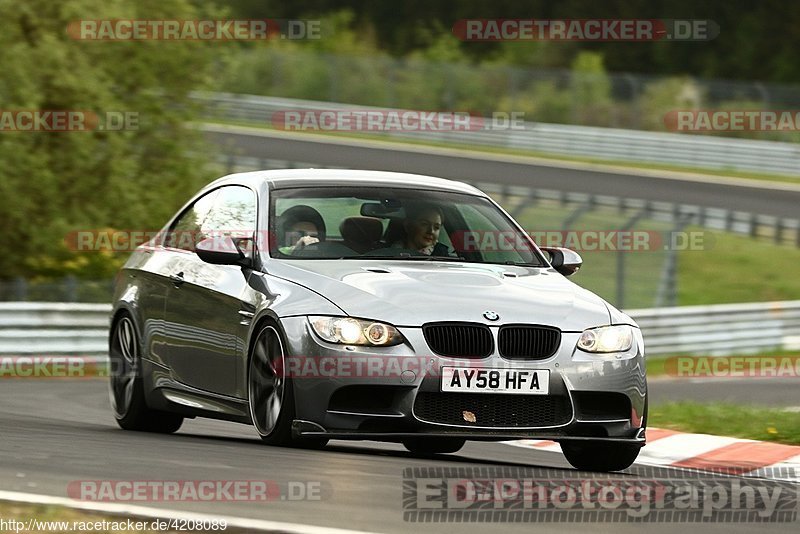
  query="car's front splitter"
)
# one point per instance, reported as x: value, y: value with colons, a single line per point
x: 308, y: 429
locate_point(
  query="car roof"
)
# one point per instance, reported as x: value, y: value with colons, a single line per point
x: 286, y: 178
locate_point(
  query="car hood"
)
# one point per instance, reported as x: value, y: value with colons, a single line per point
x: 412, y: 293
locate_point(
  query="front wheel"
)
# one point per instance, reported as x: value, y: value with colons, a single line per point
x: 600, y: 456
x: 270, y: 393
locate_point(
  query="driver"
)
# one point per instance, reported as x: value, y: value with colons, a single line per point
x: 422, y: 227
x: 299, y: 227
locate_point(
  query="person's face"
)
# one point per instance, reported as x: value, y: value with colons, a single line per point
x: 424, y: 230
x: 300, y: 229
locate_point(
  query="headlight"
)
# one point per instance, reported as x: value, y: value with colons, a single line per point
x: 606, y: 339
x: 349, y: 331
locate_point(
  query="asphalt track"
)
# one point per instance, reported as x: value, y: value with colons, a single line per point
x: 780, y: 200
x: 53, y: 432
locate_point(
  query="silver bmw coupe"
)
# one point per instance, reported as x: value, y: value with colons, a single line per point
x: 340, y: 304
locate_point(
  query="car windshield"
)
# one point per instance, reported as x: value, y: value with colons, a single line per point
x: 404, y: 224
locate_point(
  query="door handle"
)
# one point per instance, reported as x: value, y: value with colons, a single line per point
x: 177, y: 279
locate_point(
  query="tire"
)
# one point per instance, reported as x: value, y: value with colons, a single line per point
x: 126, y: 387
x: 600, y: 456
x: 433, y: 445
x: 270, y: 395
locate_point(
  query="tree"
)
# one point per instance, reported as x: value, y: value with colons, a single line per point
x: 52, y: 183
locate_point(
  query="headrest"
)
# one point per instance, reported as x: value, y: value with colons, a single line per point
x: 366, y: 230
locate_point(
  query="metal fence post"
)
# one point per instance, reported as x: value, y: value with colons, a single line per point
x: 667, y: 286
x: 333, y: 70
x: 20, y: 289
x: 620, y: 302
x: 573, y: 217
x: 667, y: 292
x: 70, y: 289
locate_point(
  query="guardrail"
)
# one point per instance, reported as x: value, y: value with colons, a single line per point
x: 46, y: 328
x: 53, y: 328
x: 721, y: 329
x: 583, y: 141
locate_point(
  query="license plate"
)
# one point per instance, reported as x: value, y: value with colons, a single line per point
x: 484, y: 380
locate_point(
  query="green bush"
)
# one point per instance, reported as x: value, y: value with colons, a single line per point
x: 52, y: 183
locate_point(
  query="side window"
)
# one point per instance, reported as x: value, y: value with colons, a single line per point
x: 234, y: 215
x: 186, y: 231
x: 229, y: 211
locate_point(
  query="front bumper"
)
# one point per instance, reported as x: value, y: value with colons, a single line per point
x: 367, y: 393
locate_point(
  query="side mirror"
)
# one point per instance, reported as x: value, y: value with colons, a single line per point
x: 564, y: 260
x: 221, y: 250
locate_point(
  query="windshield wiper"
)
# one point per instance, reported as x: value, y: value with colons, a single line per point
x: 434, y: 258
x: 405, y: 256
x: 521, y: 264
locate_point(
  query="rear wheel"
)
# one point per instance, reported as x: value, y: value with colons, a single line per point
x: 126, y: 387
x: 270, y: 393
x: 600, y: 456
x: 433, y: 445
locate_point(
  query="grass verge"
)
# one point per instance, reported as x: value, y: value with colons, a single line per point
x: 61, y: 519
x: 737, y: 268
x: 723, y: 419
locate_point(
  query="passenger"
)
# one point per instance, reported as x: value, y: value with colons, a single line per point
x: 299, y: 227
x: 422, y: 226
